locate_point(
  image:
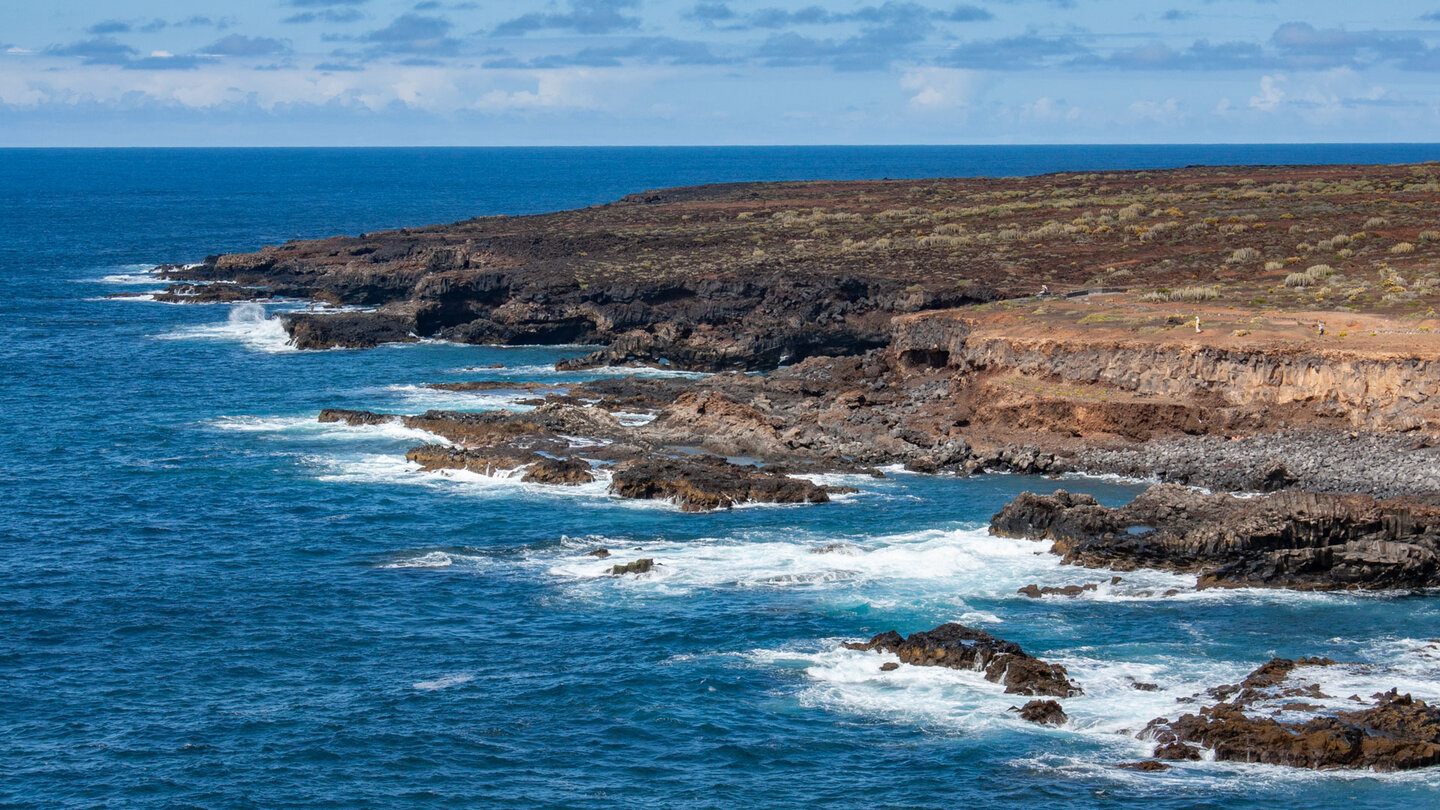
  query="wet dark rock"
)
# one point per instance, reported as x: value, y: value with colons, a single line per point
x: 602, y: 553
x: 640, y: 566
x: 348, y: 330
x: 889, y: 666
x: 217, y: 293
x: 563, y: 471
x: 701, y: 483
x: 356, y: 418
x: 1178, y: 751
x: 1288, y: 539
x: 1043, y: 712
x: 1035, y: 591
x: 1396, y: 733
x: 960, y: 647
x: 485, y: 461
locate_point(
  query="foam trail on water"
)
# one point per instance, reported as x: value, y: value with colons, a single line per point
x: 309, y: 428
x: 248, y: 324
x: 913, y: 566
x: 444, y: 682
x: 416, y: 398
x: 537, y: 370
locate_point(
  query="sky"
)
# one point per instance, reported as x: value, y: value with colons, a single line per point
x: 716, y: 72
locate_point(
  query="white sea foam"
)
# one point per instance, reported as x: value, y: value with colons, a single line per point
x: 309, y: 428
x: 248, y: 324
x: 928, y: 564
x: 391, y: 468
x: 444, y: 682
x: 548, y: 370
x: 146, y: 297
x: 1111, y: 712
x: 130, y: 278
x: 629, y: 419
x: 416, y: 398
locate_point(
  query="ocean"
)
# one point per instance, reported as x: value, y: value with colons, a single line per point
x: 208, y: 599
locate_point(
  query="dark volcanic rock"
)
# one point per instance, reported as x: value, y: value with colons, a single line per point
x: 960, y: 647
x: 355, y: 418
x: 486, y: 460
x: 1035, y: 591
x: 566, y: 471
x: 1397, y: 733
x: 1044, y: 712
x: 640, y: 566
x: 1289, y: 539
x: 348, y: 330
x: 700, y: 483
x: 217, y: 293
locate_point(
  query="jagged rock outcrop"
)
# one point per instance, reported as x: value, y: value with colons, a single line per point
x: 1288, y: 539
x: 1395, y: 733
x: 959, y: 647
x: 702, y: 483
x: 1043, y: 712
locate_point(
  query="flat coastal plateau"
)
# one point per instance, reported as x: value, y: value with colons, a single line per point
x: 1260, y: 341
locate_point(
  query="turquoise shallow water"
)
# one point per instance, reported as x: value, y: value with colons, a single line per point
x: 209, y: 600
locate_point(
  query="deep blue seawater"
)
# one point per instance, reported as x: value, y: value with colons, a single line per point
x: 208, y: 600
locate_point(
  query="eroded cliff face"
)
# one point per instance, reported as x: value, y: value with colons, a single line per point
x: 1137, y: 386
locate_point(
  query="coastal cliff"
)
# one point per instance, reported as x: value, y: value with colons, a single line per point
x: 1237, y: 328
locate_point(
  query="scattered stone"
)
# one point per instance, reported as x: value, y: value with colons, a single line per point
x: 889, y: 666
x: 1036, y: 592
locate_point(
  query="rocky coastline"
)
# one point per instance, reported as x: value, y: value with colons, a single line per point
x: 1293, y: 444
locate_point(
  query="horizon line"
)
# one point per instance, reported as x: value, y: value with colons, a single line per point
x: 737, y: 146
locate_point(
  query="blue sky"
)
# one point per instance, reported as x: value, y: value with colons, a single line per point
x: 422, y: 72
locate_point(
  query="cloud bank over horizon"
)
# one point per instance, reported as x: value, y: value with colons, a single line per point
x: 377, y: 72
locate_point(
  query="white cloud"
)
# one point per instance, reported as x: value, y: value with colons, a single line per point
x: 1271, y: 94
x: 935, y: 88
x: 440, y: 90
x: 1160, y: 112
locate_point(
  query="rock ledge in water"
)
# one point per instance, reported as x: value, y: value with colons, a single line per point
x: 960, y: 647
x: 1290, y: 539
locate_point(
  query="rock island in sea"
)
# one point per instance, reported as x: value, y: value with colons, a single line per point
x: 1264, y: 333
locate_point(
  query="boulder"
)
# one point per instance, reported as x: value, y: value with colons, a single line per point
x: 640, y: 566
x: 1043, y: 712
